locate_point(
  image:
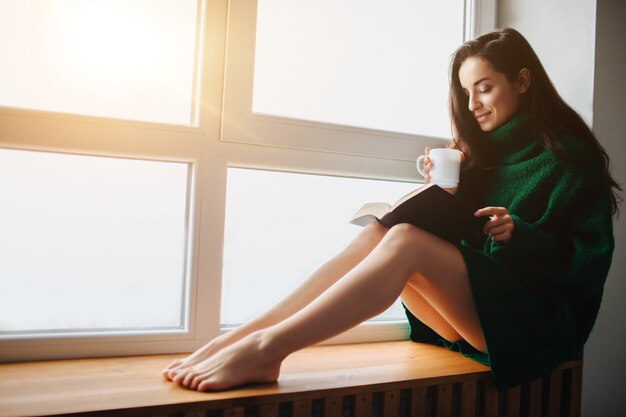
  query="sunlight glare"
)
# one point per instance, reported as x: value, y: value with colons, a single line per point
x: 131, y: 60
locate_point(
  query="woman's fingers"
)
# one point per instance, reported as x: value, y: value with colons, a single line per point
x: 427, y: 165
x: 500, y: 226
x: 491, y: 211
x: 497, y: 225
x: 502, y: 237
x: 502, y: 233
x: 506, y: 227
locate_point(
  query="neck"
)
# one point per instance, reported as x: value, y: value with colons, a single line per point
x: 513, y: 139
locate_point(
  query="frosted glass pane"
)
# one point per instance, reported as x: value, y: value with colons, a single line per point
x: 90, y: 242
x: 113, y: 58
x: 280, y: 227
x: 366, y: 63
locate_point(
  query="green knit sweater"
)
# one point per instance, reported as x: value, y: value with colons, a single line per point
x: 562, y: 210
x: 538, y: 295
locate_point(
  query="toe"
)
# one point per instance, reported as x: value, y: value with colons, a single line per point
x: 188, y: 379
x: 179, y: 377
x: 204, y: 386
x: 197, y: 380
x: 172, y: 367
x: 174, y: 363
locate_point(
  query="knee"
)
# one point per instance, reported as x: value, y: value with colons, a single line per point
x: 405, y: 235
x: 408, y: 242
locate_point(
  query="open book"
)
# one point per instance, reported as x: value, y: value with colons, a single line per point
x: 430, y: 208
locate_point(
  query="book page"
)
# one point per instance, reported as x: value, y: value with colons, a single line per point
x: 375, y: 209
x: 370, y: 212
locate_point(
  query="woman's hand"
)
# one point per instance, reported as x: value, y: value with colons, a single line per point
x: 428, y: 164
x: 500, y: 226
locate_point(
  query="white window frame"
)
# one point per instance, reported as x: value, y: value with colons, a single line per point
x: 210, y: 146
x: 241, y: 125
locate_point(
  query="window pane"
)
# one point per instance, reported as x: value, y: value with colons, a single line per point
x: 113, y: 58
x: 90, y: 242
x: 366, y: 63
x: 281, y: 226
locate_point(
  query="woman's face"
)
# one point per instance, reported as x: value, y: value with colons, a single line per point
x: 492, y: 98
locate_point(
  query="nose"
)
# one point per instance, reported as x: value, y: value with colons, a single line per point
x: 473, y: 103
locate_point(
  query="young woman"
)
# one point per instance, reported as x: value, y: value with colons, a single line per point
x: 522, y: 297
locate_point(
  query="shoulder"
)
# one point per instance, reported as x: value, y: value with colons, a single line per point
x: 578, y: 153
x: 582, y: 176
x: 575, y: 159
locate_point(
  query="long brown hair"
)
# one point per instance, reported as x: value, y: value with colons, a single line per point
x: 552, y: 119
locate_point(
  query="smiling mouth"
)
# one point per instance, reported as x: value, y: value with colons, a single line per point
x: 481, y: 117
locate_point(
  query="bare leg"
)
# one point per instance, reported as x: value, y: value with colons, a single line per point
x: 323, y: 278
x: 434, y: 266
x: 422, y: 309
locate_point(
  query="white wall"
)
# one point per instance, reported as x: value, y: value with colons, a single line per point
x: 562, y: 32
x: 604, y: 375
x: 582, y: 47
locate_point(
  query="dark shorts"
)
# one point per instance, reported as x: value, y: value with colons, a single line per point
x: 421, y: 333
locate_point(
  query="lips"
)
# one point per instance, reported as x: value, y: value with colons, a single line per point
x: 481, y: 117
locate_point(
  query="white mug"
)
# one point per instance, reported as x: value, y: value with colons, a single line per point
x: 445, y: 169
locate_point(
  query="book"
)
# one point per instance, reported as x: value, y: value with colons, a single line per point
x: 430, y: 208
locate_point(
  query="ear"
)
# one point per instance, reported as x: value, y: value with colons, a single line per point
x: 523, y: 80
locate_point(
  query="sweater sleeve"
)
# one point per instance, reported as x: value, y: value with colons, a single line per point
x: 529, y: 241
x: 572, y: 241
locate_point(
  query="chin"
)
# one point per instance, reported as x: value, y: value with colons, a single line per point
x: 490, y: 124
x: 488, y: 127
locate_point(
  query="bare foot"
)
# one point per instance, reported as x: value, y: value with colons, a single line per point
x: 202, y: 354
x: 248, y: 360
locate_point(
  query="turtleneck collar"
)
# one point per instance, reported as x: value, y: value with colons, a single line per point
x: 514, y: 141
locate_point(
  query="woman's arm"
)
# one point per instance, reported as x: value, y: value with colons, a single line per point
x: 529, y: 241
x: 576, y: 214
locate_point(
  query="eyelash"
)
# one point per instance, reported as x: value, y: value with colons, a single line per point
x: 486, y: 90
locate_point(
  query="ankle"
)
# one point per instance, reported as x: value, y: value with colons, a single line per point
x: 269, y: 346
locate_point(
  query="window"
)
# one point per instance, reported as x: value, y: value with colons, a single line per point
x: 357, y: 63
x: 355, y: 77
x: 101, y: 150
x: 130, y: 60
x: 87, y: 239
x: 281, y: 226
x: 153, y: 106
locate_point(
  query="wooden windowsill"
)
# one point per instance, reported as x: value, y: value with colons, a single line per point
x: 135, y: 383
